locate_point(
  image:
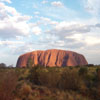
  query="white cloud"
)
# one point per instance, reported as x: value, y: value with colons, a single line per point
x: 8, y: 10
x: 57, y: 4
x: 93, y: 6
x: 10, y: 42
x: 12, y: 23
x: 44, y: 1
x: 11, y: 29
x: 61, y: 43
x: 64, y: 29
x: 36, y: 13
x: 36, y: 30
x: 47, y: 21
x: 76, y: 34
x: 91, y: 40
x: 22, y: 49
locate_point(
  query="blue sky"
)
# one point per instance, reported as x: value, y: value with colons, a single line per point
x: 28, y: 25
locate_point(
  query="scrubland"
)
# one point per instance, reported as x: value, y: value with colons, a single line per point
x: 46, y: 83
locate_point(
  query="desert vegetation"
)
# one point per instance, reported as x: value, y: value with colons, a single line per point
x: 46, y: 83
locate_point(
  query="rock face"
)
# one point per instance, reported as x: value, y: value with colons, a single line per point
x: 52, y: 58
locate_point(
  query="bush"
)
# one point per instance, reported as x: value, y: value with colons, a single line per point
x: 69, y: 80
x: 98, y: 73
x: 30, y: 63
x: 8, y: 82
x: 24, y: 91
x: 83, y: 71
x: 50, y: 79
x: 33, y: 76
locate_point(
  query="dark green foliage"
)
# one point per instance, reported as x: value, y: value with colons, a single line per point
x: 49, y: 78
x: 34, y: 75
x: 83, y: 71
x: 69, y: 80
x: 30, y: 63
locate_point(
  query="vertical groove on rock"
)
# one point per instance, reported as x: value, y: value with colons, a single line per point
x: 39, y: 55
x: 65, y: 59
x: 48, y: 59
x: 57, y: 58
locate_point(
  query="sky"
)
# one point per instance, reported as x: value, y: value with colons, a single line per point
x: 28, y: 25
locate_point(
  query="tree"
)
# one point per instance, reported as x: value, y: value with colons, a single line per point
x: 83, y: 71
x: 2, y: 65
x: 30, y: 63
x: 34, y: 75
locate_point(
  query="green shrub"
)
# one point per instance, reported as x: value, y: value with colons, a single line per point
x: 70, y: 80
x: 83, y: 71
x: 30, y: 63
x: 50, y: 79
x: 33, y: 76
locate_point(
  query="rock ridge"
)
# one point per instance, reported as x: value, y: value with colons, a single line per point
x: 52, y: 57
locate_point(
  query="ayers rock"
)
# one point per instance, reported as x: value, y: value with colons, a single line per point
x: 52, y: 58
